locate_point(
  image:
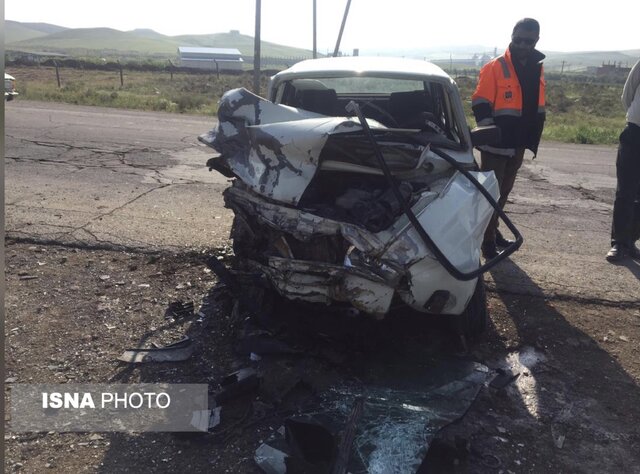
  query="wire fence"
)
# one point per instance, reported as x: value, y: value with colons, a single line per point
x: 269, y: 65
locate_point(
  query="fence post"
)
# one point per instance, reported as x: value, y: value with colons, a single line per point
x: 55, y: 63
x: 170, y: 68
x: 121, y: 77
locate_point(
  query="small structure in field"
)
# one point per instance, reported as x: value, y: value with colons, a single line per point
x: 215, y: 59
x: 610, y: 70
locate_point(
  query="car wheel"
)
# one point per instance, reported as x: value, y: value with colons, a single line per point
x: 473, y: 321
x: 246, y: 242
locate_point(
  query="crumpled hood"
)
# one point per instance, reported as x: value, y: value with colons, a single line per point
x: 267, y: 145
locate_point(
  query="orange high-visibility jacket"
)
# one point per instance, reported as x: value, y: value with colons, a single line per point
x: 498, y: 100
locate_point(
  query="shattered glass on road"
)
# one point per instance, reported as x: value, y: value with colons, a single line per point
x: 396, y: 424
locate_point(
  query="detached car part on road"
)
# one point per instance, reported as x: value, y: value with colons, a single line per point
x: 355, y: 183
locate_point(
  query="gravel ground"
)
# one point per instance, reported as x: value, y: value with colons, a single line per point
x: 70, y: 312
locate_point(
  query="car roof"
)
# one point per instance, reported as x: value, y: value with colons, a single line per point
x: 362, y: 65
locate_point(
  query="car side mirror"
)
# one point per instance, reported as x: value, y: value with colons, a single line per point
x: 485, y: 135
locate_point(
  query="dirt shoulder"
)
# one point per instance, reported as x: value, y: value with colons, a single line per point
x: 71, y: 312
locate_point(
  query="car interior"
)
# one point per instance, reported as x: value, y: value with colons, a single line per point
x: 410, y: 109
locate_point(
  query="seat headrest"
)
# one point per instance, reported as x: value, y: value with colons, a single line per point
x: 321, y: 101
x: 410, y: 101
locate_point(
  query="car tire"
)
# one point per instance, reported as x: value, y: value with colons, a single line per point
x: 245, y: 241
x: 473, y: 321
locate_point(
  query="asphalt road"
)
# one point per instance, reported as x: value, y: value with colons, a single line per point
x: 98, y: 176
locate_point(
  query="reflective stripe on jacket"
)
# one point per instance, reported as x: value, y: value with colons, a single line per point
x: 498, y: 99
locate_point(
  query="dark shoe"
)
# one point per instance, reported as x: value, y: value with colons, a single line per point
x: 616, y: 253
x: 502, y: 242
x: 489, y: 250
x: 619, y: 252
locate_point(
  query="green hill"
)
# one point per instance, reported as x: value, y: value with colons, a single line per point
x: 243, y: 43
x: 97, y: 41
x: 139, y: 42
x: 108, y: 42
x: 15, y: 31
x: 147, y: 33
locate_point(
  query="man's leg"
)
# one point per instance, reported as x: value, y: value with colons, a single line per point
x: 497, y: 164
x: 635, y: 236
x: 625, y: 222
x: 511, y: 171
x: 506, y: 169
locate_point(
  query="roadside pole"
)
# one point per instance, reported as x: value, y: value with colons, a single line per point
x: 256, y: 52
x: 315, y: 46
x: 344, y: 20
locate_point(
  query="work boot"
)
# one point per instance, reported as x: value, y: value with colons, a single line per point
x: 489, y: 250
x: 501, y: 241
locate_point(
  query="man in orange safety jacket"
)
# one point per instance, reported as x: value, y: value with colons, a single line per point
x: 510, y: 94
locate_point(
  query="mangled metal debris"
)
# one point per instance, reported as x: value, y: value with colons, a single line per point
x: 356, y: 183
x: 176, y: 352
x: 381, y: 420
x: 261, y: 343
x: 206, y: 420
x: 271, y: 460
x: 180, y: 309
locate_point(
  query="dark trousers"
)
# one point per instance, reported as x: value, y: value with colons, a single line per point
x: 506, y: 168
x: 625, y: 229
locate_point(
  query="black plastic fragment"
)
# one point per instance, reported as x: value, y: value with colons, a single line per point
x: 503, y: 379
x: 237, y: 384
x: 180, y: 309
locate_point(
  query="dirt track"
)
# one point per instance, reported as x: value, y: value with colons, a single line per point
x: 84, y: 184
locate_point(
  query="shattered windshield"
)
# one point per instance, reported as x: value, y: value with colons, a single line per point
x: 395, y: 103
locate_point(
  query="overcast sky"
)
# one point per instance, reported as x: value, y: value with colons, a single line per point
x: 371, y: 25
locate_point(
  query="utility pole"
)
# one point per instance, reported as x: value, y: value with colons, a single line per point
x: 562, y: 68
x: 344, y: 20
x: 256, y: 52
x: 315, y: 48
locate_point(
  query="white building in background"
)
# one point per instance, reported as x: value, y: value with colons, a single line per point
x: 222, y: 59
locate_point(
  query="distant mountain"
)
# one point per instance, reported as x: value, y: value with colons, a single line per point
x: 98, y: 42
x: 244, y: 43
x: 111, y: 42
x: 146, y: 33
x: 573, y: 61
x: 108, y: 42
x: 16, y: 31
x: 582, y: 60
x: 430, y: 53
x: 46, y: 28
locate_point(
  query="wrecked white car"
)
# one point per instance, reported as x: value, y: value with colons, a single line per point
x: 355, y: 184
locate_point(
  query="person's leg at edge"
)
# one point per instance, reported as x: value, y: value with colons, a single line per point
x: 497, y: 164
x: 511, y: 171
x: 505, y: 169
x: 624, y: 223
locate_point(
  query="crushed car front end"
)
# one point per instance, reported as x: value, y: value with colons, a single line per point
x: 377, y: 207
